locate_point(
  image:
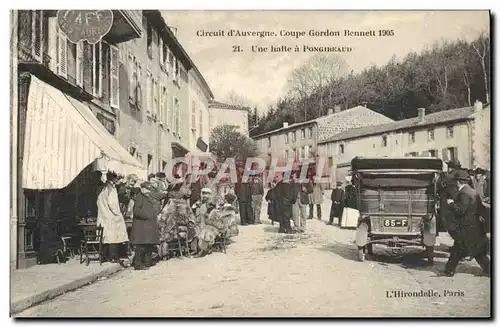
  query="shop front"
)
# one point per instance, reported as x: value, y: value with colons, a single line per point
x: 64, y: 153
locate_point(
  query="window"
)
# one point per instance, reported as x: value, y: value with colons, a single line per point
x: 430, y: 134
x: 302, y: 152
x: 411, y: 138
x: 294, y: 136
x: 307, y: 153
x: 286, y: 138
x: 294, y: 151
x: 114, y: 80
x: 303, y: 134
x: 310, y: 132
x: 450, y: 154
x: 341, y: 148
x: 330, y: 162
x: 268, y: 142
x: 384, y: 141
x: 162, y: 53
x: 412, y: 154
x: 286, y: 155
x: 163, y: 165
x: 193, y: 115
x: 176, y: 70
x: 150, y: 41
x: 433, y: 153
x: 449, y: 132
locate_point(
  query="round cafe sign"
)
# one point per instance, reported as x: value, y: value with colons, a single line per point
x: 85, y: 25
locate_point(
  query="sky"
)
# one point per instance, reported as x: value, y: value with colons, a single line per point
x: 262, y: 77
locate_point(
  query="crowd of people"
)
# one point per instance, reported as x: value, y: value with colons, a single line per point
x: 162, y: 213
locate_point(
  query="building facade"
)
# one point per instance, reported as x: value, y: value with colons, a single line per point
x: 67, y: 103
x: 200, y: 96
x: 461, y: 134
x: 227, y: 114
x: 123, y: 104
x: 300, y: 140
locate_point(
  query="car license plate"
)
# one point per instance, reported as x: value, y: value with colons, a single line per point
x: 395, y: 222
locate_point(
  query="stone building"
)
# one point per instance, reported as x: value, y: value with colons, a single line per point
x: 228, y: 114
x: 462, y: 134
x: 122, y: 104
x: 300, y: 140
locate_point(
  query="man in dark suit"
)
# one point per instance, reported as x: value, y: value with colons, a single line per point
x: 244, y: 194
x: 469, y: 235
x: 337, y: 207
x: 285, y: 197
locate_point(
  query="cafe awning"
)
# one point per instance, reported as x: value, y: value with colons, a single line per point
x: 63, y: 137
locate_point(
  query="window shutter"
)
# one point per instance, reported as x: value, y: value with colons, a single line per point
x: 37, y: 33
x: 79, y: 63
x: 148, y: 92
x: 114, y: 80
x: 161, y: 52
x: 132, y: 72
x: 171, y: 114
x: 455, y: 153
x: 62, y: 55
x: 87, y: 66
x: 97, y: 69
x: 160, y: 100
x: 138, y: 87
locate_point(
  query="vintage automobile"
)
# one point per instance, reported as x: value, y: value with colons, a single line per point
x: 397, y: 200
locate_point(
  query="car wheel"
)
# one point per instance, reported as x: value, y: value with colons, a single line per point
x: 369, y: 248
x: 430, y: 254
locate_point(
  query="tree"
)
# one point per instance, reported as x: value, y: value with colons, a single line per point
x: 237, y: 99
x: 314, y: 75
x: 227, y: 142
x: 482, y: 47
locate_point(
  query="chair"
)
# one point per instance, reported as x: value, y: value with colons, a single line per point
x: 91, y: 244
x: 179, y: 246
x: 220, y: 242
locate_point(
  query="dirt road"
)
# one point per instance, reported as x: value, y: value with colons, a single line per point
x: 266, y: 274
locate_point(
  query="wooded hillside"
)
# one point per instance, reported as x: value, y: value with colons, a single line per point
x: 447, y: 75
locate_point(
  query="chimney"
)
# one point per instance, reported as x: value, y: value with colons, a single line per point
x: 285, y: 124
x: 336, y: 109
x: 364, y: 103
x: 421, y: 114
x: 478, y: 106
x: 330, y: 112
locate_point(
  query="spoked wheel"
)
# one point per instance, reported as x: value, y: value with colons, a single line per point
x: 430, y: 254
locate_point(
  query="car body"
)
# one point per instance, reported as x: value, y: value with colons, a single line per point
x: 397, y: 200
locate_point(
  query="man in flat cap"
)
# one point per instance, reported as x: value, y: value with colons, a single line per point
x: 470, y: 236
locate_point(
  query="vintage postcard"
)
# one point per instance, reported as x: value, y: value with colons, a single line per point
x: 250, y: 163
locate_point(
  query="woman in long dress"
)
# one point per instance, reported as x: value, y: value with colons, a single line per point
x: 176, y: 219
x: 109, y: 216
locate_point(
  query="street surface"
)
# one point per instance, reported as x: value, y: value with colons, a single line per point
x: 265, y: 274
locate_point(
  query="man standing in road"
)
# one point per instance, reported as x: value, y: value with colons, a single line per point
x: 337, y: 204
x: 315, y: 199
x: 257, y: 190
x: 284, y: 197
x: 244, y: 195
x: 304, y: 189
x: 470, y: 236
x: 449, y: 190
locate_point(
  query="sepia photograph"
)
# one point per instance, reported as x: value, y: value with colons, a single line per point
x: 250, y: 163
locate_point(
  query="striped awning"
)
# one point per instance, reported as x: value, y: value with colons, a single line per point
x: 63, y: 137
